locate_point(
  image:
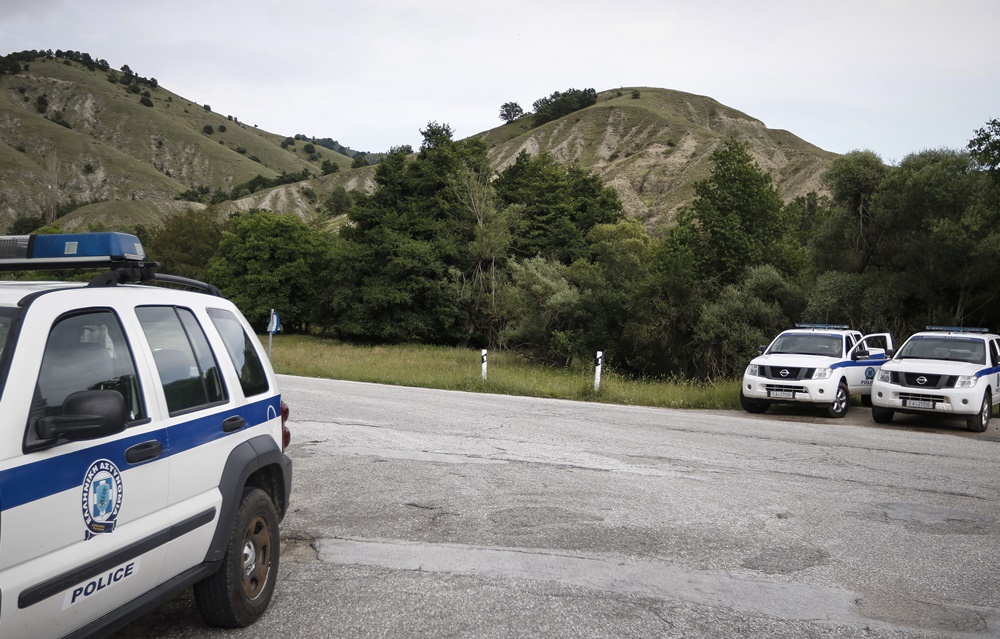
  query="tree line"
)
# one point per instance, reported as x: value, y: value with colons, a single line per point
x: 542, y: 259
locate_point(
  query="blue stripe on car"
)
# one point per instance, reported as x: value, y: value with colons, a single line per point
x: 24, y: 484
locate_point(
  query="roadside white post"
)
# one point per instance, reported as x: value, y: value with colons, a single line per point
x: 598, y: 363
x: 484, y: 364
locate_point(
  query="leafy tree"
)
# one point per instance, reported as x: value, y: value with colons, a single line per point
x: 736, y: 220
x: 359, y: 162
x: 399, y: 271
x: 145, y: 101
x: 985, y: 147
x: 851, y: 238
x: 744, y: 316
x: 869, y: 301
x: 560, y: 206
x: 185, y: 243
x: 488, y: 252
x: 559, y: 104
x: 338, y: 202
x: 541, y: 307
x: 207, y: 129
x: 510, y: 111
x: 943, y: 221
x: 25, y: 224
x: 329, y: 166
x: 266, y: 261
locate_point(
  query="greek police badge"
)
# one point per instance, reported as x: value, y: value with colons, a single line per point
x: 102, y: 498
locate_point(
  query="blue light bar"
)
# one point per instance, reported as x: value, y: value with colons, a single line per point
x: 68, y: 250
x: 958, y: 329
x: 116, y: 246
x: 840, y: 327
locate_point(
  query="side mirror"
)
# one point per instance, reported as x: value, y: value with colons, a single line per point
x: 860, y: 353
x: 889, y: 353
x: 761, y: 349
x: 86, y: 415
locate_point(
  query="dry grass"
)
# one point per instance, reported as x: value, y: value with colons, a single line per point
x: 507, y: 373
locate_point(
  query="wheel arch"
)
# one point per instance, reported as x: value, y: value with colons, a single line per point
x: 257, y: 463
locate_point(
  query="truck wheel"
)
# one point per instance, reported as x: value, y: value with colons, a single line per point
x: 979, y: 422
x: 841, y: 402
x: 240, y: 591
x: 753, y: 405
x: 866, y: 401
x: 881, y: 415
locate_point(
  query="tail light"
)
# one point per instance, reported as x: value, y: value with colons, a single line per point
x: 286, y: 435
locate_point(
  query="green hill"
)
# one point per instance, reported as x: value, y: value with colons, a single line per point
x: 652, y: 149
x: 119, y: 152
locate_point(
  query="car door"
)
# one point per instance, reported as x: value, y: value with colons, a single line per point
x: 196, y: 403
x: 994, y: 363
x: 864, y: 360
x: 81, y: 522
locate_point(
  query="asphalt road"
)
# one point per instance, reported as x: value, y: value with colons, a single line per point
x: 421, y: 513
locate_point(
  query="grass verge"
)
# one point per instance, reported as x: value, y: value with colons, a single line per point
x: 507, y: 374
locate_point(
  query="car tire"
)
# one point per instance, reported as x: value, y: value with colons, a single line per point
x: 881, y: 415
x: 979, y: 422
x: 866, y: 401
x: 841, y: 403
x: 236, y: 595
x: 755, y: 406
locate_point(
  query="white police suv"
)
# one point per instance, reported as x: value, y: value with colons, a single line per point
x: 814, y: 363
x: 943, y: 371
x: 142, y: 441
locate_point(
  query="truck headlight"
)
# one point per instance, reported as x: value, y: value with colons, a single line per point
x: 822, y: 373
x: 966, y: 381
x: 753, y: 370
x: 883, y: 376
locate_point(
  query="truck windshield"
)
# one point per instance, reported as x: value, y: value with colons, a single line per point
x: 953, y: 349
x: 807, y: 344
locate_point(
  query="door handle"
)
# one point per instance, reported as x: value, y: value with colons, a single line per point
x: 233, y: 423
x: 143, y: 452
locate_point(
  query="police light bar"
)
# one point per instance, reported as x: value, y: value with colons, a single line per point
x: 839, y: 327
x: 69, y: 251
x: 958, y: 329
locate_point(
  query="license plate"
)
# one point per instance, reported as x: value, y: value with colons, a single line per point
x: 781, y: 394
x: 918, y: 403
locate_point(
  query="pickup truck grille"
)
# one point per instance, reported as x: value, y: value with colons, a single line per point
x: 923, y: 380
x: 787, y: 372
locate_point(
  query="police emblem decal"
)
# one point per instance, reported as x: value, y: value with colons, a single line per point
x: 102, y: 498
x: 869, y: 373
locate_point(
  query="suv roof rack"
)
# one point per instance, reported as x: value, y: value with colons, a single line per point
x: 121, y: 254
x: 839, y: 327
x: 959, y: 329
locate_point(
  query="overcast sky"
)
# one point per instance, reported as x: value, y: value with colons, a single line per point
x: 892, y: 76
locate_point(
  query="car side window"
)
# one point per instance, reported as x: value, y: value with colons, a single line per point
x: 241, y: 351
x: 87, y: 351
x: 184, y: 361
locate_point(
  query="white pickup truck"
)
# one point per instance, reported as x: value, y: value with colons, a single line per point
x: 943, y: 371
x: 816, y: 364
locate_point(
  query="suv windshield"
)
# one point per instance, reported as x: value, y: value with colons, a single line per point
x: 807, y: 344
x: 954, y: 349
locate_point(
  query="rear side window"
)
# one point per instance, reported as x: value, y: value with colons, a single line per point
x: 184, y: 361
x: 87, y: 351
x: 241, y: 351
